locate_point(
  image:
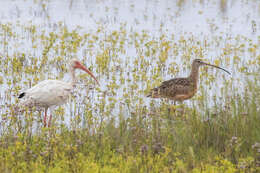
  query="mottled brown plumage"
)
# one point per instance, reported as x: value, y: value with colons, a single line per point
x: 179, y: 89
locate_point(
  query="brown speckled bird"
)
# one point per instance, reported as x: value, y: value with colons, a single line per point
x: 179, y: 89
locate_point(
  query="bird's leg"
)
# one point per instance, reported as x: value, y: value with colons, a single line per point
x: 182, y: 109
x: 50, y: 119
x: 169, y: 106
x: 171, y: 109
x: 174, y: 106
x: 49, y: 124
x: 45, y: 117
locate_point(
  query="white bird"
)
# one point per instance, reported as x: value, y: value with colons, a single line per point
x: 51, y: 93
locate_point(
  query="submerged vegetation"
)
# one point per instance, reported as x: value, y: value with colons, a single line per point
x: 114, y: 127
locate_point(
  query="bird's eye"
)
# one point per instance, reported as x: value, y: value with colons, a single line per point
x: 76, y: 63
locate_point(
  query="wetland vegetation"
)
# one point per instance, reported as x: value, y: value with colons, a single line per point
x: 114, y: 127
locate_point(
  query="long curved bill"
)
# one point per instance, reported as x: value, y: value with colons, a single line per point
x: 82, y: 67
x: 217, y: 67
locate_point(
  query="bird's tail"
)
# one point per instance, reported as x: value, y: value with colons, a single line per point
x: 21, y: 95
x: 154, y: 93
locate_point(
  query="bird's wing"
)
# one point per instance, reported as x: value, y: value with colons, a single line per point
x: 170, y: 88
x: 48, y: 93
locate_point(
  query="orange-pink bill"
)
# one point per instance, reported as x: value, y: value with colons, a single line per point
x: 82, y: 67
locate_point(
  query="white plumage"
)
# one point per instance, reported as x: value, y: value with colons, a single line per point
x: 50, y: 93
x: 47, y: 93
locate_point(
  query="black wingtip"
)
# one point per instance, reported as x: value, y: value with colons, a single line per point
x: 21, y: 95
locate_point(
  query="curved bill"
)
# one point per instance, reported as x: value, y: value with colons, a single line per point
x: 80, y: 66
x: 217, y: 67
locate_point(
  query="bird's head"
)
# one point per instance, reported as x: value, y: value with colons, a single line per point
x: 75, y: 64
x: 199, y: 62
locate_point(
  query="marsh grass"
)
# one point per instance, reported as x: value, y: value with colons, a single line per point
x: 143, y: 144
x: 115, y: 128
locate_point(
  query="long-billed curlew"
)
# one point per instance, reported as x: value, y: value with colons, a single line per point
x: 179, y: 89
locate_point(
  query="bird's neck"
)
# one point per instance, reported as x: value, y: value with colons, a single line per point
x: 194, y: 75
x: 73, y: 77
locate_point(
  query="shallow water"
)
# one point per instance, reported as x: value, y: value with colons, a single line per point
x: 197, y: 18
x: 217, y: 27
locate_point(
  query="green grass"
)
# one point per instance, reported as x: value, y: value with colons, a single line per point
x: 138, y: 144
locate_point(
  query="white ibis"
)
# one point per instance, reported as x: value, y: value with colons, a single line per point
x: 51, y: 93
